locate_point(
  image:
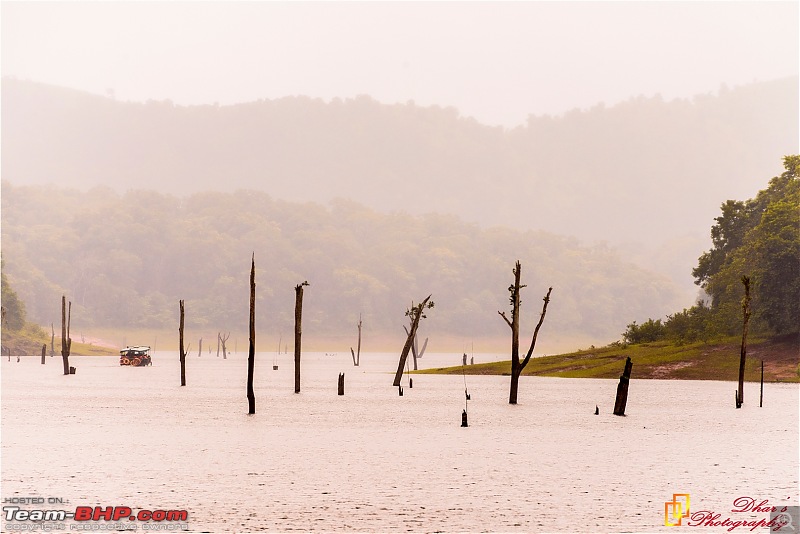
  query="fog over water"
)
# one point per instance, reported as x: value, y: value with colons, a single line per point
x: 371, y: 461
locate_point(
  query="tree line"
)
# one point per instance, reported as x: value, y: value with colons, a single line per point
x: 125, y: 259
x: 759, y: 239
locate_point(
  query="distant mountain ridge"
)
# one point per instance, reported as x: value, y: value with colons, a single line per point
x: 645, y: 170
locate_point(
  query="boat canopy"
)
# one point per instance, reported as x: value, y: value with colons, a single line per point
x: 139, y: 349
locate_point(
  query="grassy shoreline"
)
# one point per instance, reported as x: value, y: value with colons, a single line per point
x: 661, y: 360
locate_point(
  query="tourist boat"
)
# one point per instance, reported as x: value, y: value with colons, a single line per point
x: 135, y: 356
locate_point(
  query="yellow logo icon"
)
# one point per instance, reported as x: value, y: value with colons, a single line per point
x: 676, y: 509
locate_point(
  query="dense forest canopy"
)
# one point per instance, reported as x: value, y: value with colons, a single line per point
x: 758, y: 238
x: 124, y: 260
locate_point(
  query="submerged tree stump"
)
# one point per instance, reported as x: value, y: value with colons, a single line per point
x: 66, y: 341
x: 224, y: 339
x: 622, y: 389
x: 182, y: 353
x: 416, y: 313
x: 356, y: 356
x: 298, y: 332
x: 251, y: 357
x: 341, y: 383
x: 743, y: 351
x: 516, y: 366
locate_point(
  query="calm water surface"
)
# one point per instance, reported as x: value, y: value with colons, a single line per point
x: 372, y: 461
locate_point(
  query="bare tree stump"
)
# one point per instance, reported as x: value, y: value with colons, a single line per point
x: 251, y: 357
x: 743, y: 352
x: 464, y: 419
x: 66, y: 341
x: 622, y: 388
x: 760, y: 400
x: 298, y: 332
x: 357, y: 357
x: 341, y: 383
x: 44, y: 352
x: 182, y: 353
x: 200, y: 347
x: 223, y: 340
x: 414, y: 352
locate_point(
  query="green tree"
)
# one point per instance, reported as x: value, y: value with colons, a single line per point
x: 759, y: 238
x: 13, y: 308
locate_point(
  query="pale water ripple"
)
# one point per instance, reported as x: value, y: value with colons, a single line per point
x: 372, y: 461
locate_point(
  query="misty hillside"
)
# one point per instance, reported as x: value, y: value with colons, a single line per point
x: 124, y: 260
x: 645, y: 170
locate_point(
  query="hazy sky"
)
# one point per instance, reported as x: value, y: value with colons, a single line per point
x: 497, y: 62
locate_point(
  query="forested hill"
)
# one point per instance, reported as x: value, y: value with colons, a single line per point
x: 644, y: 170
x: 124, y: 260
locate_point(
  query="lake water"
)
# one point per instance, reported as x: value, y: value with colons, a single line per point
x: 372, y: 461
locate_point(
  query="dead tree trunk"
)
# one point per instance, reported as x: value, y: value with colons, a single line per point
x: 415, y: 314
x: 44, y: 354
x: 341, y: 383
x: 516, y: 366
x: 223, y: 339
x: 357, y: 356
x: 52, y: 341
x: 414, y: 352
x: 760, y: 399
x: 66, y: 342
x: 200, y: 347
x: 622, y: 388
x: 298, y: 331
x: 180, y: 346
x: 743, y: 352
x: 218, y: 340
x: 251, y: 357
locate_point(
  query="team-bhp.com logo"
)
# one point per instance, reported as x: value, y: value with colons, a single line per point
x: 676, y: 509
x: 97, y: 513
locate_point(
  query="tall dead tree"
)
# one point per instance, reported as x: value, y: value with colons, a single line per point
x: 743, y: 352
x: 298, y: 331
x: 356, y: 356
x: 66, y: 342
x: 223, y: 339
x: 415, y: 313
x: 516, y: 366
x: 182, y: 351
x: 218, y: 341
x: 414, y: 351
x: 251, y: 357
